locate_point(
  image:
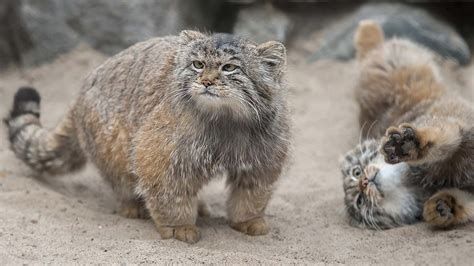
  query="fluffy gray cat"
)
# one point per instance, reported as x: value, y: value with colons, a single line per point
x: 164, y: 117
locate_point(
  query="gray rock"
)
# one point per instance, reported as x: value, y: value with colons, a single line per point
x: 13, y: 37
x: 57, y: 26
x: 396, y: 20
x: 46, y: 26
x: 262, y: 23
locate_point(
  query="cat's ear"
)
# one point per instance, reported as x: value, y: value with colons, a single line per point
x: 273, y: 54
x: 188, y: 36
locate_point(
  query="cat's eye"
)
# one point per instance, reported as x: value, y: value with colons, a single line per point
x: 356, y: 171
x: 229, y: 67
x: 198, y: 64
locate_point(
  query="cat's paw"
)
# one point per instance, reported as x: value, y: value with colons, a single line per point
x: 400, y: 144
x: 254, y: 227
x: 440, y: 210
x: 186, y: 233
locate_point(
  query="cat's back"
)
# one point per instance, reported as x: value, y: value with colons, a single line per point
x: 129, y: 84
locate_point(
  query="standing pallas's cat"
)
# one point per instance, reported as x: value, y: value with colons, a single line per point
x: 162, y: 118
x: 419, y: 160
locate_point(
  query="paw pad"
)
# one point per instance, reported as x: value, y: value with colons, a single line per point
x: 400, y: 144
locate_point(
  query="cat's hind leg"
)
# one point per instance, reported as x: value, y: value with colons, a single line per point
x: 130, y: 205
x: 133, y: 208
x: 449, y: 207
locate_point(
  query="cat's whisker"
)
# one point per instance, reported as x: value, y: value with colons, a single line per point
x: 374, y: 204
x: 370, y: 128
x: 246, y: 102
x: 360, y: 136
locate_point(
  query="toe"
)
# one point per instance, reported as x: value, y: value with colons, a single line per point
x: 442, y: 208
x: 166, y: 232
x: 395, y: 137
x: 187, y: 233
x: 254, y: 227
x: 257, y: 228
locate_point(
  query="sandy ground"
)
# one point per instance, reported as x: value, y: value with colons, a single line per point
x: 72, y: 218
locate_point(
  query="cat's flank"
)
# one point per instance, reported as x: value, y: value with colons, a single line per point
x: 418, y: 161
x: 162, y: 118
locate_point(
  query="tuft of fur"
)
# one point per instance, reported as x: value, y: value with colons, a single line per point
x: 368, y: 37
x: 162, y: 118
x: 416, y: 122
x: 26, y: 101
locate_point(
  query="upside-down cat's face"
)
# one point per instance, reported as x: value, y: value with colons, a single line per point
x: 377, y: 195
x: 223, y: 74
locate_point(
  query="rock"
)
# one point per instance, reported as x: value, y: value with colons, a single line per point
x: 262, y: 23
x: 396, y: 20
x: 57, y: 26
x: 13, y: 37
x: 45, y: 22
x: 111, y: 26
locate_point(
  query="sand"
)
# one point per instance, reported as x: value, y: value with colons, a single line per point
x: 73, y: 219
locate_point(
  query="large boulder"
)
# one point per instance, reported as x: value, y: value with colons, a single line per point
x: 56, y: 26
x: 13, y: 36
x: 45, y: 23
x: 396, y: 20
x: 110, y: 26
x: 261, y: 23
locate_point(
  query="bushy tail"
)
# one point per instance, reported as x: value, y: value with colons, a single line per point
x: 368, y: 36
x: 45, y: 151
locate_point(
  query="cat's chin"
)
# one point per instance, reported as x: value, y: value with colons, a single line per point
x: 221, y: 107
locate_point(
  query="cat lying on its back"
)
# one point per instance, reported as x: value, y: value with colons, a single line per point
x: 419, y: 160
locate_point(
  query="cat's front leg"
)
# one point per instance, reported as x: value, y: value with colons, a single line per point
x: 250, y: 193
x: 449, y: 207
x: 172, y: 206
x: 170, y: 194
x: 418, y: 145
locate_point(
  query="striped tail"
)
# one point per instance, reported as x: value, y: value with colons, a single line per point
x: 45, y: 151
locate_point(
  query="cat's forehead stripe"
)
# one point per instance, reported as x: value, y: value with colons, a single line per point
x: 219, y: 45
x: 225, y: 40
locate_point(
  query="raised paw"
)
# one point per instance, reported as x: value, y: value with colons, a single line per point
x: 186, y: 233
x: 400, y: 144
x: 440, y: 210
x: 254, y: 227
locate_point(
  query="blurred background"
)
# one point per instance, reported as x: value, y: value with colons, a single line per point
x: 33, y: 32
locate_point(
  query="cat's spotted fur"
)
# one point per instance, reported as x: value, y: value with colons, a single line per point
x: 419, y: 159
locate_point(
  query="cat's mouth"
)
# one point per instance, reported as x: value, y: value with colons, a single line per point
x: 209, y: 93
x: 376, y: 180
x: 375, y: 185
x: 371, y: 184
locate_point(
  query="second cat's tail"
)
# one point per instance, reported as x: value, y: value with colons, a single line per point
x: 367, y: 37
x: 54, y: 152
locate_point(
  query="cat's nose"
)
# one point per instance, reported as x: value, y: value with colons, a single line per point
x: 364, y: 182
x: 207, y: 82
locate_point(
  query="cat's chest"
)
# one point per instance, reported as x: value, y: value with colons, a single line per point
x: 216, y: 152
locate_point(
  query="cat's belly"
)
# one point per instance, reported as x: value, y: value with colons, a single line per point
x: 398, y: 199
x: 390, y: 176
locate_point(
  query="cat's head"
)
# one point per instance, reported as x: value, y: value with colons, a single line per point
x: 377, y: 194
x: 223, y: 74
